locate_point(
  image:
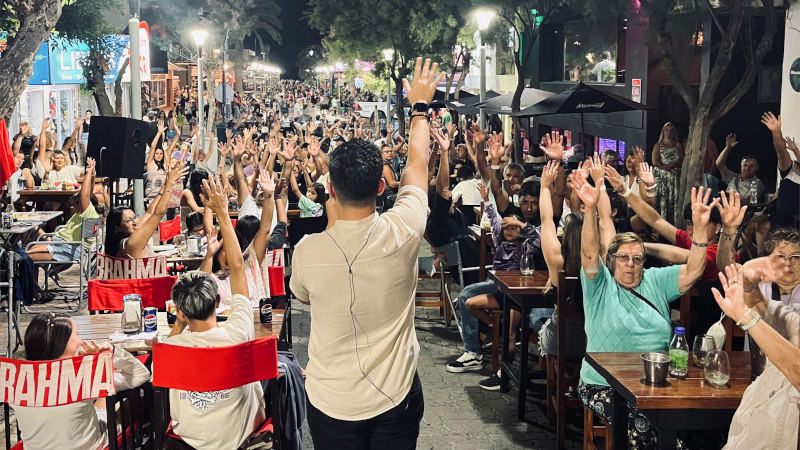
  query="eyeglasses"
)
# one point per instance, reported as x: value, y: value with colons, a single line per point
x: 130, y: 220
x: 624, y: 258
x: 781, y: 258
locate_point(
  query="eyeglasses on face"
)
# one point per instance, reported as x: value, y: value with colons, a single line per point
x: 624, y: 258
x: 793, y: 259
x: 130, y: 220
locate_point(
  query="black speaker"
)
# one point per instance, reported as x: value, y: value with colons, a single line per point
x: 118, y: 146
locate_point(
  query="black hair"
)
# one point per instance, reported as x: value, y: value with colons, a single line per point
x: 465, y: 172
x: 160, y: 164
x: 322, y: 197
x: 88, y: 111
x: 246, y: 229
x: 47, y: 336
x: 621, y: 222
x: 516, y: 166
x: 113, y: 235
x: 530, y: 186
x: 196, y: 184
x: 715, y: 217
x: 193, y: 219
x: 355, y: 172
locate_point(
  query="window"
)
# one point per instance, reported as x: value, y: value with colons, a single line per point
x: 590, y: 51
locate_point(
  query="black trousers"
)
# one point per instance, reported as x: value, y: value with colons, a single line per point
x: 396, y: 429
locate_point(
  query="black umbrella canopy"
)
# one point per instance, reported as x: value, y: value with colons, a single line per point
x: 581, y: 99
x: 467, y: 106
x: 439, y: 95
x: 502, y: 104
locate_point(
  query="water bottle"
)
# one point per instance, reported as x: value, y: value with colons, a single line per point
x: 678, y: 353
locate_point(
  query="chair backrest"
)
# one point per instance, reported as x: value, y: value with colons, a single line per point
x: 58, y: 382
x: 221, y: 367
x: 91, y: 228
x: 106, y: 295
x: 276, y: 269
x: 450, y: 255
x: 304, y: 226
x: 570, y: 307
x: 169, y: 229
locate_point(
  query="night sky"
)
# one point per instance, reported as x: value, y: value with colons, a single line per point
x: 296, y: 34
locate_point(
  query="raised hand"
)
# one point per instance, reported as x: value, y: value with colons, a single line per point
x: 267, y: 183
x: 638, y: 154
x: 78, y: 123
x: 161, y: 127
x: 423, y: 86
x: 483, y: 189
x: 313, y: 147
x: 289, y: 149
x: 549, y: 173
x: 588, y: 194
x: 282, y: 188
x: 24, y: 128
x: 496, y: 149
x: 442, y: 140
x: 228, y: 134
x: 646, y: 174
x: 701, y: 209
x: 732, y: 304
x: 274, y: 145
x: 478, y: 136
x: 731, y: 211
x: 553, y: 145
x: 451, y: 130
x: 214, y: 243
x: 90, y: 167
x: 596, y: 170
x: 767, y: 269
x: 771, y: 122
x: 512, y: 221
x: 730, y: 140
x: 222, y: 148
x: 238, y: 147
x: 791, y: 144
x: 216, y: 199
x: 615, y: 179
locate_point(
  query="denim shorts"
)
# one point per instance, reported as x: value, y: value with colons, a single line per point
x: 64, y: 252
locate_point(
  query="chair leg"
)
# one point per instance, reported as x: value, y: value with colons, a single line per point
x: 496, y: 340
x: 561, y: 420
x: 550, y: 390
x: 588, y: 429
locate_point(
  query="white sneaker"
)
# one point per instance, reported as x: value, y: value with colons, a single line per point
x: 465, y: 362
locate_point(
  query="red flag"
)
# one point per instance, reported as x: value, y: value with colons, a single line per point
x: 6, y: 157
x: 169, y: 229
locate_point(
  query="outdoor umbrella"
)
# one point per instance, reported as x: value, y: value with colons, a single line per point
x: 502, y: 103
x: 467, y: 105
x: 581, y: 99
x: 438, y: 97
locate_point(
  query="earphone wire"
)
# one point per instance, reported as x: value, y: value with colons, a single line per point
x: 352, y: 302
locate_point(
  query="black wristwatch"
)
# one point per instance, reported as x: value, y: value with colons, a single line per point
x: 420, y: 107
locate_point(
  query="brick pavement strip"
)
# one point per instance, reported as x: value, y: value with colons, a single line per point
x: 458, y: 414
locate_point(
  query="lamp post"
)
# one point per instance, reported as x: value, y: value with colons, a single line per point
x: 199, y: 37
x: 388, y: 55
x: 484, y: 19
x: 136, y: 102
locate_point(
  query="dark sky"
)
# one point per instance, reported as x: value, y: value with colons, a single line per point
x: 296, y: 34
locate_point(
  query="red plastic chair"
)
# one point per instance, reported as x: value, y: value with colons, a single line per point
x: 112, y: 399
x: 276, y: 270
x: 106, y: 295
x: 215, y: 369
x: 169, y: 229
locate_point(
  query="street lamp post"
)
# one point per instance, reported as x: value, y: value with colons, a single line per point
x: 136, y: 102
x: 199, y: 37
x: 388, y: 55
x: 484, y: 19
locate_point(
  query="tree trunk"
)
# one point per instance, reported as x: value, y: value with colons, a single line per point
x: 118, y: 88
x: 238, y: 64
x: 94, y: 70
x: 398, y: 92
x: 461, y: 80
x: 448, y: 85
x: 692, y: 169
x: 16, y: 65
x: 210, y: 101
x: 515, y: 107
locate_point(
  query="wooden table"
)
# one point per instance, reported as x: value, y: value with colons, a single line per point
x: 41, y: 196
x: 527, y: 292
x: 686, y: 404
x: 188, y: 262
x: 293, y: 213
x: 100, y: 326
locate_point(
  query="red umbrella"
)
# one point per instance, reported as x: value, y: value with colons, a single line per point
x: 6, y: 157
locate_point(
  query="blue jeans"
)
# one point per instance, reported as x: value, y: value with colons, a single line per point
x: 469, y: 323
x: 538, y: 317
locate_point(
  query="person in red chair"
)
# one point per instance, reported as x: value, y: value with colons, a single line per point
x: 80, y: 425
x: 220, y: 419
x: 126, y: 235
x: 363, y: 388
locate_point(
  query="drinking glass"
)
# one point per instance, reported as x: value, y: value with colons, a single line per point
x: 718, y: 368
x: 527, y: 264
x: 180, y: 244
x: 703, y: 344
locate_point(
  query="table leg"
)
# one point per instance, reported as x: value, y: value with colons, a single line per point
x: 523, y: 365
x: 619, y: 420
x: 504, y: 349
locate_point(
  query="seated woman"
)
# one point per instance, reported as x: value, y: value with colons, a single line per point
x: 78, y: 425
x: 626, y: 306
x: 194, y: 224
x: 193, y: 196
x: 86, y: 208
x: 768, y: 416
x: 253, y: 236
x: 125, y: 237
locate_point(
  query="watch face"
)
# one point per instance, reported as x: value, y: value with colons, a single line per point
x: 421, y: 107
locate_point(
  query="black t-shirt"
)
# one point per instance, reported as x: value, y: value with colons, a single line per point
x: 442, y: 228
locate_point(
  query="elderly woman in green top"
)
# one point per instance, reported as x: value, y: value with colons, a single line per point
x: 618, y: 319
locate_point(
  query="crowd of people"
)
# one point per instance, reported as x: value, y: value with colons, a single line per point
x: 614, y: 224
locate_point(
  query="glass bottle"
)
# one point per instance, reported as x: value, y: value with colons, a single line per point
x: 678, y: 353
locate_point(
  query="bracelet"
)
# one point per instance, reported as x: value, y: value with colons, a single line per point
x: 495, y: 166
x: 627, y: 193
x: 419, y: 114
x: 752, y: 322
x: 729, y: 235
x: 603, y: 187
x: 651, y: 194
x: 700, y: 244
x: 650, y: 188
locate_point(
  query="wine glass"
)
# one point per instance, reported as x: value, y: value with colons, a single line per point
x: 718, y: 368
x: 526, y: 264
x: 180, y: 244
x: 703, y: 344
